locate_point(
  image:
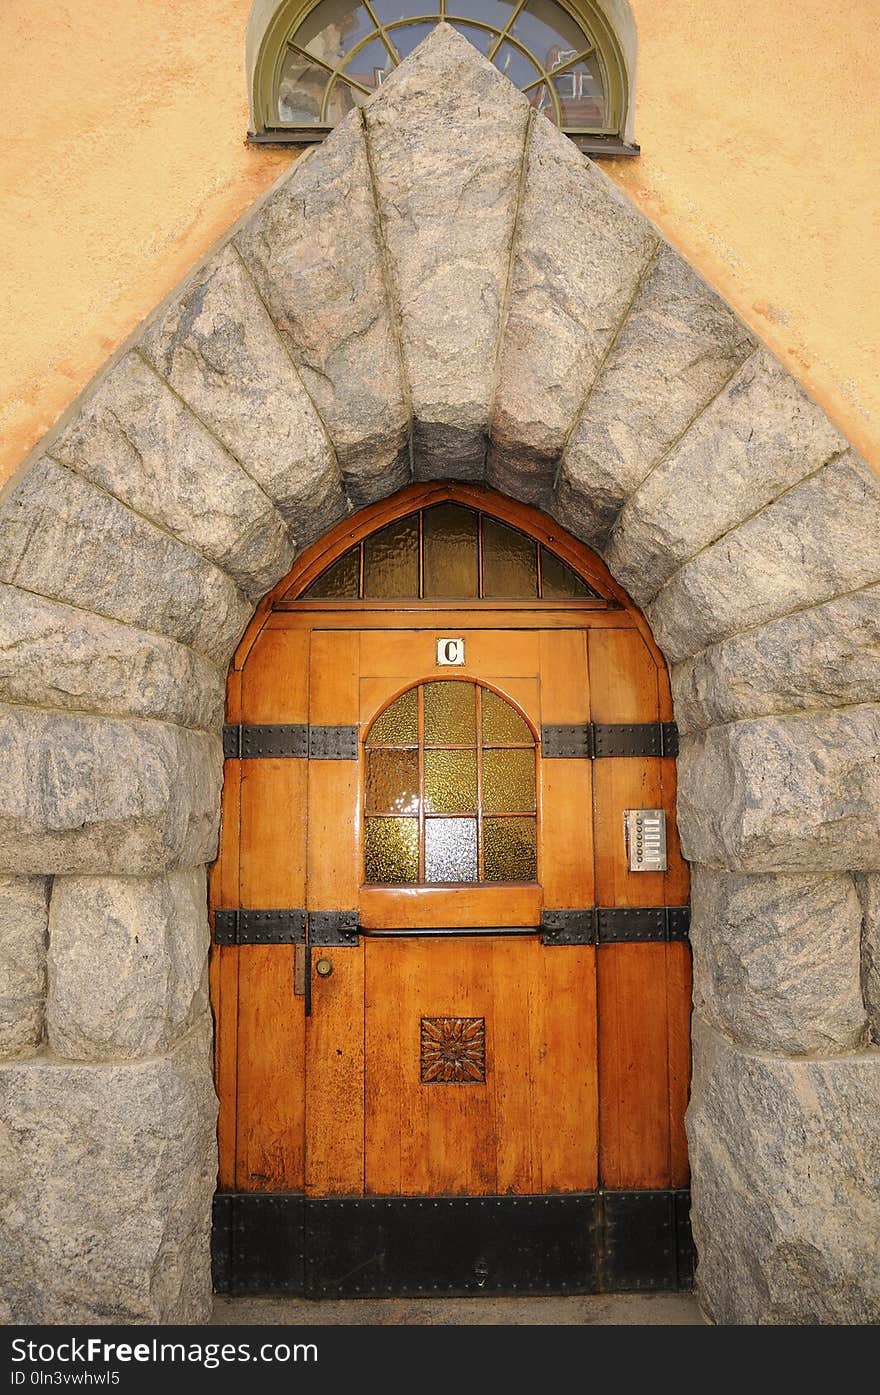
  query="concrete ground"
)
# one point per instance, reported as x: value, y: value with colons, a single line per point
x: 597, y: 1310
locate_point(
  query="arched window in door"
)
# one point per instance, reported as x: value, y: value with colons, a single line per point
x: 450, y: 789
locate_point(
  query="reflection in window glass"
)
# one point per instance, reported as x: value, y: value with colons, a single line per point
x: 354, y: 48
x: 439, y: 813
x: 449, y: 552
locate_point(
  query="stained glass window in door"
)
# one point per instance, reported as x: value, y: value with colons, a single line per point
x: 450, y: 797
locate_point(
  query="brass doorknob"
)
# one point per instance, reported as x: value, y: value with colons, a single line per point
x: 324, y: 967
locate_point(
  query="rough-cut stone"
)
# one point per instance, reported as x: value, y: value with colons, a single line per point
x: 106, y: 1178
x: 759, y: 436
x: 24, y: 911
x: 97, y: 795
x: 135, y: 438
x: 569, y: 293
x: 813, y: 543
x: 776, y: 960
x: 446, y: 138
x: 315, y: 253
x: 220, y: 351
x: 677, y: 348
x: 827, y: 656
x: 799, y: 793
x: 785, y: 1157
x: 868, y: 887
x: 127, y: 964
x: 53, y: 655
x: 63, y: 538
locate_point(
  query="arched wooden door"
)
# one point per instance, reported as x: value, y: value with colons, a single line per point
x: 450, y: 975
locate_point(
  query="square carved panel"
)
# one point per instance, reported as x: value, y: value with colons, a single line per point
x: 453, y: 1051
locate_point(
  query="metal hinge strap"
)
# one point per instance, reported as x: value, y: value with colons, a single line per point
x: 246, y: 927
x: 328, y: 928
x: 601, y: 925
x: 598, y: 740
x: 288, y: 740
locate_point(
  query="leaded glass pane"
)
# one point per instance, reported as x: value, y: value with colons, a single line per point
x: 451, y: 782
x: 508, y: 781
x: 391, y: 561
x: 450, y: 850
x: 509, y: 850
x: 548, y: 31
x: 450, y: 714
x: 581, y: 98
x: 392, y: 782
x: 339, y: 582
x: 502, y: 724
x: 332, y: 29
x: 450, y: 543
x: 398, y: 725
x: 514, y: 65
x: 559, y: 582
x: 510, y: 567
x: 391, y: 850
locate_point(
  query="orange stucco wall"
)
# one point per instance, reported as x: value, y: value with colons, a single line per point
x: 124, y: 160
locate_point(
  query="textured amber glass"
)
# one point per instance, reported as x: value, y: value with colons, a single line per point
x: 339, y: 582
x: 391, y: 561
x: 450, y: 540
x: 398, y: 725
x: 450, y: 850
x: 508, y: 781
x: 560, y: 583
x: 393, y: 782
x: 451, y: 782
x: 509, y: 853
x: 510, y: 562
x: 502, y: 725
x: 450, y: 714
x: 391, y: 850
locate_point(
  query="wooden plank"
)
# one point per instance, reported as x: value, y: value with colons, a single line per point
x: 271, y: 1058
x: 273, y: 833
x: 565, y: 681
x: 678, y: 1014
x: 334, y: 667
x: 561, y: 1012
x: 426, y: 1139
x: 223, y: 976
x: 420, y: 907
x: 335, y: 1077
x: 275, y: 679
x: 634, y: 1133
x: 566, y: 833
x: 623, y: 688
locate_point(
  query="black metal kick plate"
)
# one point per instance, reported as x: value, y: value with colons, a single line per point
x: 359, y: 1247
x: 257, y: 1242
x: 597, y: 740
x: 243, y: 927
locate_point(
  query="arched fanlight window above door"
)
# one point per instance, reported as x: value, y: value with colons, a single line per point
x: 317, y: 61
x: 449, y: 552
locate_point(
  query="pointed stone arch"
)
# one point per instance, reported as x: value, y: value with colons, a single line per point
x: 445, y: 289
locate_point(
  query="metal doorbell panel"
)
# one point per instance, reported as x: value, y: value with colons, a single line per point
x: 645, y: 831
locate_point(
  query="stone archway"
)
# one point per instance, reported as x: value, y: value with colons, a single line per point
x: 444, y: 289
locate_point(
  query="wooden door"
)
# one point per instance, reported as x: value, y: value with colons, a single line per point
x: 521, y: 1116
x: 452, y: 1023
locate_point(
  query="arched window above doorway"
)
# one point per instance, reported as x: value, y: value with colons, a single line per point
x: 450, y: 790
x: 445, y: 552
x: 315, y: 62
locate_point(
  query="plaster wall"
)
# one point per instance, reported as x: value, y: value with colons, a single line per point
x: 125, y: 160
